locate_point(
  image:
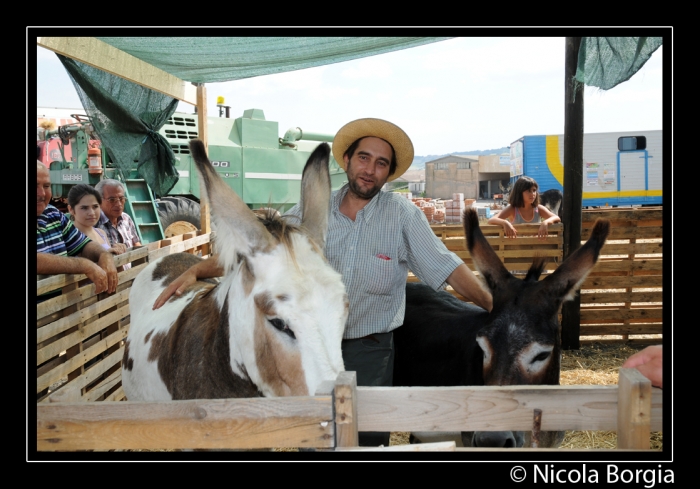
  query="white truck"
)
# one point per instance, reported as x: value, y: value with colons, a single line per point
x: 619, y: 168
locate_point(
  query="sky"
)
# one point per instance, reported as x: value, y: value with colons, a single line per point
x: 462, y: 94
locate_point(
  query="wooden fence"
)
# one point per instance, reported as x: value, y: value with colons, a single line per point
x: 332, y: 418
x: 80, y: 346
x: 80, y: 334
x: 623, y: 293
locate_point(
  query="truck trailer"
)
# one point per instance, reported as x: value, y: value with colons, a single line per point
x: 619, y: 168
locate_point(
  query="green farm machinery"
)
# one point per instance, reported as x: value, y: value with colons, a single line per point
x: 263, y: 168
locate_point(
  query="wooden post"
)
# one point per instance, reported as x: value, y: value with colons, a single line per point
x: 344, y: 394
x: 202, y: 113
x: 536, y: 428
x: 633, y: 410
x: 345, y: 400
x: 573, y: 186
x: 202, y: 121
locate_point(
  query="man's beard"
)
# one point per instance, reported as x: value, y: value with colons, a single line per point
x: 357, y: 190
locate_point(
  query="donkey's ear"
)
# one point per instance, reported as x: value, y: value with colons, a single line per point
x: 570, y: 275
x: 484, y: 258
x: 235, y: 223
x: 316, y: 193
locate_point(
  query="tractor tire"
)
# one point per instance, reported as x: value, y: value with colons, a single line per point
x: 178, y: 215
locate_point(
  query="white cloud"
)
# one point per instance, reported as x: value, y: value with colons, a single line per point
x: 366, y: 68
x: 422, y: 92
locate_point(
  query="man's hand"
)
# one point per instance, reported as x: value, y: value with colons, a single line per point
x: 176, y: 287
x: 97, y: 275
x: 209, y: 268
x: 117, y: 248
x: 649, y: 363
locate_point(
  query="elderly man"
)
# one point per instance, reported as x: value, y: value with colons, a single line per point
x: 117, y: 224
x: 62, y: 248
x: 374, y: 238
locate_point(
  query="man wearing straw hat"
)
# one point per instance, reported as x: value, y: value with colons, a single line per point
x: 373, y: 239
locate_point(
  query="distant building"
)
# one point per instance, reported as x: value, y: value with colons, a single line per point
x: 412, y: 181
x: 416, y: 187
x: 474, y: 176
x: 493, y: 169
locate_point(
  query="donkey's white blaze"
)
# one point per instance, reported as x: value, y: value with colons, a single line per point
x: 305, y: 301
x: 312, y: 300
x: 486, y: 349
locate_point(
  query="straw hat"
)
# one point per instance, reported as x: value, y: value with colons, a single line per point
x: 352, y: 131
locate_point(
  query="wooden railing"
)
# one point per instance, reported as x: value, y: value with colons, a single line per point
x: 80, y: 347
x: 623, y: 294
x: 332, y: 418
x: 80, y: 334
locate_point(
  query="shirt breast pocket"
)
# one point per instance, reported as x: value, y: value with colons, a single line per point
x: 380, y: 276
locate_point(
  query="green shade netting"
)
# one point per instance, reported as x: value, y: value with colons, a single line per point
x: 127, y: 117
x: 605, y: 62
x: 220, y: 59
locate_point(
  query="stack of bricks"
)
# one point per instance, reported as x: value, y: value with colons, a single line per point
x: 434, y: 214
x: 428, y: 209
x: 439, y: 216
x: 454, y: 209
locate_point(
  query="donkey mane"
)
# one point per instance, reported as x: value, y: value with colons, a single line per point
x: 282, y: 229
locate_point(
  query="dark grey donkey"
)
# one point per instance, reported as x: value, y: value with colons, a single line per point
x: 447, y: 342
x: 552, y: 200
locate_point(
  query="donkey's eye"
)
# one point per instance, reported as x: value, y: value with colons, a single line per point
x: 282, y: 326
x: 541, y: 357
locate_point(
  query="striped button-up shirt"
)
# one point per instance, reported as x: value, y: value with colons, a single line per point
x: 125, y: 231
x: 374, y: 253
